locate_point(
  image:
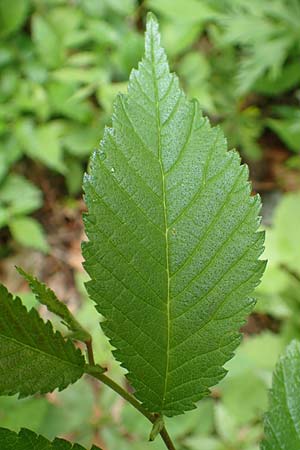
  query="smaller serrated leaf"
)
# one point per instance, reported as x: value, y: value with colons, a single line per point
x: 33, y: 358
x: 282, y: 421
x: 28, y: 440
x: 47, y: 297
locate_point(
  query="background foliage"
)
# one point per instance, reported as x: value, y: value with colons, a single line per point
x: 61, y: 64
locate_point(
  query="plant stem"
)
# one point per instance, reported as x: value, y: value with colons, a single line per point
x: 91, y: 369
x: 89, y: 347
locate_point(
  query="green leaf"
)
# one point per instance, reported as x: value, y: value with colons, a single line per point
x: 16, y: 204
x: 9, y: 154
x: 262, y: 31
x: 209, y: 443
x: 80, y: 141
x: 71, y: 414
x: 286, y: 228
x: 254, y: 395
x: 288, y: 130
x: 282, y: 422
x: 12, y: 15
x: 29, y: 232
x: 48, y: 43
x: 33, y: 358
x: 63, y: 101
x: 197, y: 81
x: 287, y: 79
x: 74, y: 175
x: 107, y: 93
x: 29, y: 412
x: 182, y: 22
x: 173, y: 245
x: 47, y: 297
x: 181, y: 11
x: 27, y: 440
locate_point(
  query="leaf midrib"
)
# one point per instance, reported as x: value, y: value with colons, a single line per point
x: 166, y: 229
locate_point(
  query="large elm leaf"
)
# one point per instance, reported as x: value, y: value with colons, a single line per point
x: 33, y: 358
x: 282, y: 422
x: 173, y: 244
x: 27, y: 440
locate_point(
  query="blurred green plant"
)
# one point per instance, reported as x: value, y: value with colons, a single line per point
x: 236, y: 77
x: 60, y: 64
x: 279, y: 291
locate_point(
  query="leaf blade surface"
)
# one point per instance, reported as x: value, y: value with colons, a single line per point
x: 173, y: 248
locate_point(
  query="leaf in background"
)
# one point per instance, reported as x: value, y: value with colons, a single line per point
x: 80, y: 141
x: 182, y: 11
x: 42, y: 142
x: 254, y: 361
x: 33, y: 358
x: 123, y: 7
x: 129, y: 53
x: 253, y: 393
x: 10, y: 152
x: 197, y: 81
x: 77, y: 75
x: 63, y: 101
x: 29, y: 232
x: 231, y: 435
x: 173, y: 245
x: 47, y: 297
x: 244, y: 128
x: 48, y: 43
x: 103, y: 33
x: 286, y: 80
x: 71, y: 413
x: 74, y: 175
x: 27, y: 412
x: 182, y: 22
x: 26, y: 439
x: 66, y: 22
x: 107, y: 92
x: 282, y: 422
x: 8, y: 82
x: 209, y: 443
x: 275, y: 280
x: 16, y: 204
x: 12, y: 15
x: 288, y: 128
x: 261, y: 31
x: 32, y: 98
x: 286, y: 229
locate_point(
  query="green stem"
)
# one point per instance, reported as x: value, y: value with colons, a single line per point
x: 89, y: 347
x: 91, y: 369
